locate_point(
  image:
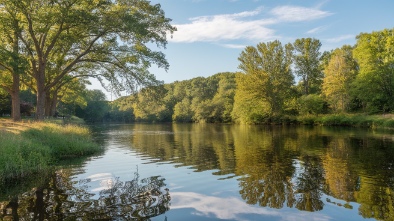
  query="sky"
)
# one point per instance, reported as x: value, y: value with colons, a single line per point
x: 212, y: 33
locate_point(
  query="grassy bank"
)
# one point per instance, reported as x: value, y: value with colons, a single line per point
x: 28, y: 148
x: 352, y: 120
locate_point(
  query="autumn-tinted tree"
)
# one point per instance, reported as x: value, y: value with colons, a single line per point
x: 339, y: 74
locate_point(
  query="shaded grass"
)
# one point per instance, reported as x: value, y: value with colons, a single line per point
x: 35, y: 147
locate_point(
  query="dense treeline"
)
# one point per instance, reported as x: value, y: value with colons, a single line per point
x: 196, y: 100
x: 349, y: 79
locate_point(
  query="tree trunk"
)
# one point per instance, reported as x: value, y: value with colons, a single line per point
x: 50, y: 103
x: 16, y: 104
x: 40, y: 109
x: 53, y: 104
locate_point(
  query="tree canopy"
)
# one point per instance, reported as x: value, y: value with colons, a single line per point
x: 105, y: 39
x: 374, y: 53
x: 266, y: 81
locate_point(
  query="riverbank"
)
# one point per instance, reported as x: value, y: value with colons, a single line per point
x: 29, y: 147
x: 349, y: 120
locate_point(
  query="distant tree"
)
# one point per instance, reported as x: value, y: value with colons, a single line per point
x: 374, y: 84
x: 97, y: 107
x: 340, y: 72
x: 148, y: 105
x: 182, y: 111
x: 196, y: 100
x: 223, y: 101
x: 307, y: 63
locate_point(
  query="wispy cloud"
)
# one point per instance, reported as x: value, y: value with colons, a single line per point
x: 224, y: 27
x: 297, y: 14
x: 250, y: 25
x: 317, y: 30
x: 340, y: 38
x: 237, y: 46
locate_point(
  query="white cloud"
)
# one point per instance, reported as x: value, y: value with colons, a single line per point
x: 340, y: 38
x: 297, y: 14
x: 234, y: 208
x: 249, y: 25
x: 222, y: 208
x: 224, y: 27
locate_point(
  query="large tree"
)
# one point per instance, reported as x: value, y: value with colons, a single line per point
x: 265, y: 83
x: 307, y: 62
x: 374, y: 53
x: 12, y: 63
x: 339, y: 73
x: 106, y: 39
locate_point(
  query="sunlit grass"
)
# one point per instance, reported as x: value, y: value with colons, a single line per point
x: 63, y: 141
x: 32, y: 147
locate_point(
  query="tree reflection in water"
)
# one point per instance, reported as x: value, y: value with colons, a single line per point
x: 64, y: 199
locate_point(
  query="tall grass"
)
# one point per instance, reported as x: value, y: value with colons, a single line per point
x: 38, y: 146
x: 63, y: 141
x: 21, y: 157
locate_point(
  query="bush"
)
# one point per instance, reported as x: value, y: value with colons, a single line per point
x: 311, y: 104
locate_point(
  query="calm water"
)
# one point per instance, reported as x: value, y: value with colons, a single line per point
x: 223, y: 172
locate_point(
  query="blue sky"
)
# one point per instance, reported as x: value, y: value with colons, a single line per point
x: 212, y: 33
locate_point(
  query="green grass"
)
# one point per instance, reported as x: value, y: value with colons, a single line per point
x: 63, y: 141
x: 34, y: 147
x: 21, y: 157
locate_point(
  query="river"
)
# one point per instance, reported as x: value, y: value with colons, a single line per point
x: 192, y: 172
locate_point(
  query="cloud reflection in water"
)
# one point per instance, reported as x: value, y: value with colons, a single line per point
x: 232, y: 208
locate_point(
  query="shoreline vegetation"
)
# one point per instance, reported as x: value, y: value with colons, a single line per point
x: 349, y: 120
x: 30, y: 148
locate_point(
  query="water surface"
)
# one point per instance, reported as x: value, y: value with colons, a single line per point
x: 231, y: 172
